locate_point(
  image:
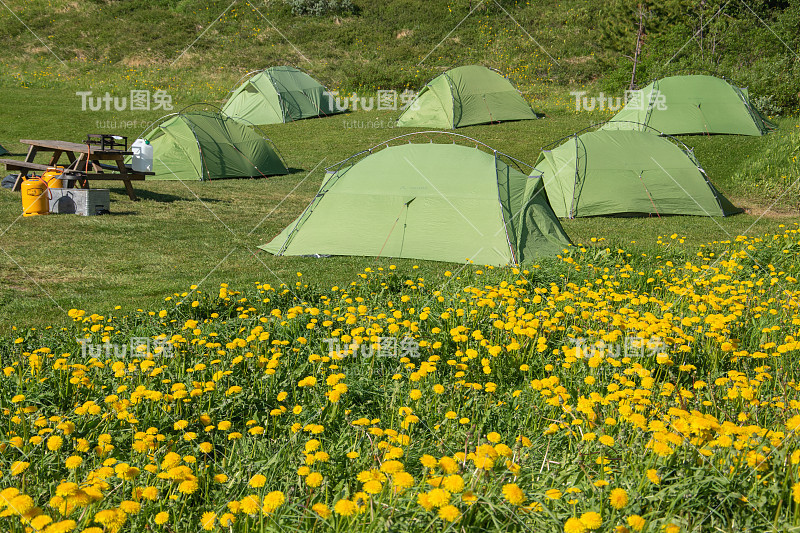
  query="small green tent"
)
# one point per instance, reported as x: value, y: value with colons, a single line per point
x: 277, y: 95
x: 442, y: 202
x: 201, y: 145
x: 3, y: 151
x: 617, y: 172
x: 680, y: 105
x: 465, y: 96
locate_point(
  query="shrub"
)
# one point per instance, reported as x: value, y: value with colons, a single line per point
x: 318, y: 8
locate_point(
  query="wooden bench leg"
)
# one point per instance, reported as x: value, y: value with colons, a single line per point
x: 24, y: 173
x: 55, y: 158
x: 20, y: 178
x: 129, y: 188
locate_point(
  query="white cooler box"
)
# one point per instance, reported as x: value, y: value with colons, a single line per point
x: 86, y: 202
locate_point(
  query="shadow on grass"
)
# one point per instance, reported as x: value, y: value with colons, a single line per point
x: 144, y: 194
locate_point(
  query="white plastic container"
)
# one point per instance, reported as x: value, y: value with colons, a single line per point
x: 142, y: 160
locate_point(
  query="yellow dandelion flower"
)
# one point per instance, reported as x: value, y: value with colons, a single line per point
x: 392, y: 467
x: 373, y: 487
x: 257, y: 481
x: 345, y: 508
x: 403, y: 480
x: 448, y: 464
x: 636, y: 522
x: 250, y: 504
x: 439, y: 497
x: 425, y: 501
x: 618, y: 498
x: 208, y: 520
x: 553, y: 494
x: 322, y: 510
x: 428, y: 461
x: 513, y: 494
x: 150, y: 493
x: 449, y: 513
x: 574, y: 525
x: 130, y: 507
x: 272, y: 501
x: 189, y: 486
x: 469, y: 497
x: 314, y: 479
x: 453, y: 483
x: 73, y: 462
x: 592, y: 520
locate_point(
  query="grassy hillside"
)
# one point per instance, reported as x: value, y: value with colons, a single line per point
x: 148, y: 43
x: 200, y: 48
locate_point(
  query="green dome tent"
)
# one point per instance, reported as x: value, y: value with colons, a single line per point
x: 443, y: 202
x: 201, y: 145
x: 277, y: 95
x: 618, y: 172
x: 465, y: 96
x: 681, y: 105
x: 3, y: 151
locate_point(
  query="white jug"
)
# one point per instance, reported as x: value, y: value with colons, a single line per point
x: 142, y: 160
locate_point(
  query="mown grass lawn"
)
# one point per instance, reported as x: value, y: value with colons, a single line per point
x: 206, y: 233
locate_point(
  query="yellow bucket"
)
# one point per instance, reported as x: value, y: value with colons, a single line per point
x: 35, y: 197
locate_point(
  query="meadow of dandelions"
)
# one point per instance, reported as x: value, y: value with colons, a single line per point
x: 601, y: 391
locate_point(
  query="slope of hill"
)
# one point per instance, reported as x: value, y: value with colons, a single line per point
x: 204, y: 46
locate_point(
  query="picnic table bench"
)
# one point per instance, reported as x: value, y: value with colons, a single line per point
x: 82, y: 158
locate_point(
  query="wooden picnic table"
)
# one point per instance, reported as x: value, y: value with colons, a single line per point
x: 84, y: 163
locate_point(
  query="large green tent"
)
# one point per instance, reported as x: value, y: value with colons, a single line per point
x: 443, y: 202
x: 618, y: 172
x: 3, y: 151
x: 277, y: 95
x: 201, y: 145
x: 465, y: 96
x: 680, y: 105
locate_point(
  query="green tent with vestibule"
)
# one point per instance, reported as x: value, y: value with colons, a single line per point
x: 202, y: 145
x: 465, y: 96
x: 683, y: 105
x: 3, y: 151
x: 277, y: 95
x: 442, y: 202
x: 626, y: 172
